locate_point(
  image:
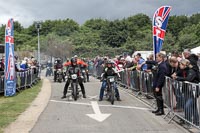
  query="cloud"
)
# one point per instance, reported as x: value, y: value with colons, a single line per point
x: 26, y: 12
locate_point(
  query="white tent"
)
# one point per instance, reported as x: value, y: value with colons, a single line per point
x: 196, y: 50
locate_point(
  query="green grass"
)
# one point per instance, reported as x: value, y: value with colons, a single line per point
x: 12, y: 107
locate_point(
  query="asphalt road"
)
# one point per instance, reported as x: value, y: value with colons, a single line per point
x: 127, y: 116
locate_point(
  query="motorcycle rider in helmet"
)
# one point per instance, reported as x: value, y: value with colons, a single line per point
x: 109, y: 70
x: 49, y: 70
x: 74, y: 68
x: 57, y: 65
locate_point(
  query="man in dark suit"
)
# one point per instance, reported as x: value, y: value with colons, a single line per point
x: 158, y: 83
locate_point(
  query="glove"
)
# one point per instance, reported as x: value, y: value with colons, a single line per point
x: 118, y: 79
x: 101, y: 79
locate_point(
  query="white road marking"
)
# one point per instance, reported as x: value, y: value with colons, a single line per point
x: 56, y: 101
x: 92, y: 97
x: 98, y: 116
x: 113, y: 106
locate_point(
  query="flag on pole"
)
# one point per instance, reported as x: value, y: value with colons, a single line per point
x: 10, y: 79
x: 160, y: 20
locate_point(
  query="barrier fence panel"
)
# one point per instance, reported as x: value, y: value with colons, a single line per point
x: 23, y: 79
x: 182, y: 100
x: 1, y: 84
x: 28, y: 81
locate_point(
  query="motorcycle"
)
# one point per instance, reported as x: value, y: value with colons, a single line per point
x: 59, y: 75
x: 111, y: 84
x: 49, y: 71
x: 74, y: 86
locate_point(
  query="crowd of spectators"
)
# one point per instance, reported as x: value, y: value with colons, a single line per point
x: 178, y: 66
x: 20, y: 66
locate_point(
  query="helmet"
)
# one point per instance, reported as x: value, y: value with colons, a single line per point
x: 109, y: 63
x: 73, y: 61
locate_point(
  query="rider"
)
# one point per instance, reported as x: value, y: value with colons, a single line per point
x: 57, y: 65
x: 109, y: 70
x: 49, y: 68
x: 74, y: 68
x: 79, y: 62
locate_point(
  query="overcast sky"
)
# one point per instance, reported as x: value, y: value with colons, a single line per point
x: 28, y: 11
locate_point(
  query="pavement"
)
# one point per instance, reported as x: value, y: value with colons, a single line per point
x: 28, y: 118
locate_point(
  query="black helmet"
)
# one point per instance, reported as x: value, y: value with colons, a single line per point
x: 73, y: 60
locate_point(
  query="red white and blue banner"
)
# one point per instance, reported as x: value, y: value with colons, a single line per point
x: 10, y: 79
x: 160, y: 20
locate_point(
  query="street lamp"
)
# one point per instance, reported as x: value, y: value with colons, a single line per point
x: 38, y: 27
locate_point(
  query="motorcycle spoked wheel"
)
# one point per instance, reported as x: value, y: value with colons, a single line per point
x: 60, y: 78
x: 74, y: 91
x: 112, y: 95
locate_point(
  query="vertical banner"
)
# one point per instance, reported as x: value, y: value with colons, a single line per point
x: 10, y: 79
x: 160, y: 20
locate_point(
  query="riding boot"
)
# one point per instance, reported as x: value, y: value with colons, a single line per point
x: 83, y: 90
x: 65, y: 89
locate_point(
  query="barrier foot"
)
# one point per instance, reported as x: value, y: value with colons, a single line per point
x: 166, y: 114
x: 18, y: 90
x: 153, y: 104
x: 171, y: 119
x: 139, y: 93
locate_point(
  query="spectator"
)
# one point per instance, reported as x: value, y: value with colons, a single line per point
x: 140, y: 62
x: 2, y: 65
x: 172, y: 65
x: 188, y: 73
x: 24, y: 65
x: 158, y: 83
x: 191, y: 57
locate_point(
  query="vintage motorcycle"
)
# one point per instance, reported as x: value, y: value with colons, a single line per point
x: 49, y: 71
x: 110, y: 90
x: 59, y: 75
x: 74, y: 86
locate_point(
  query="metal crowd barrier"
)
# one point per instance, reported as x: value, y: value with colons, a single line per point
x: 24, y: 79
x: 180, y: 98
x: 138, y: 81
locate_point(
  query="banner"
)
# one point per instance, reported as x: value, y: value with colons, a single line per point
x: 160, y: 20
x: 10, y: 79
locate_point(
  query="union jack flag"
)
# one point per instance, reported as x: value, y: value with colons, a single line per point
x: 10, y: 82
x: 160, y: 20
x: 9, y: 33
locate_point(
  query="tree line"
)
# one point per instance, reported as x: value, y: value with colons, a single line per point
x: 63, y: 38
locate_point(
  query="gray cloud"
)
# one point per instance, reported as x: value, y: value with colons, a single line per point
x: 27, y: 11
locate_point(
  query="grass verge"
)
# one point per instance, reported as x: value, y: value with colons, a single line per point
x: 12, y: 107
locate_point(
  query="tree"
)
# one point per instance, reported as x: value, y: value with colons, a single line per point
x: 54, y: 46
x: 114, y: 34
x: 176, y: 24
x: 2, y: 34
x: 189, y: 37
x: 65, y: 27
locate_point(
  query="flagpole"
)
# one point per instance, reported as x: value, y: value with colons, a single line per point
x: 38, y: 27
